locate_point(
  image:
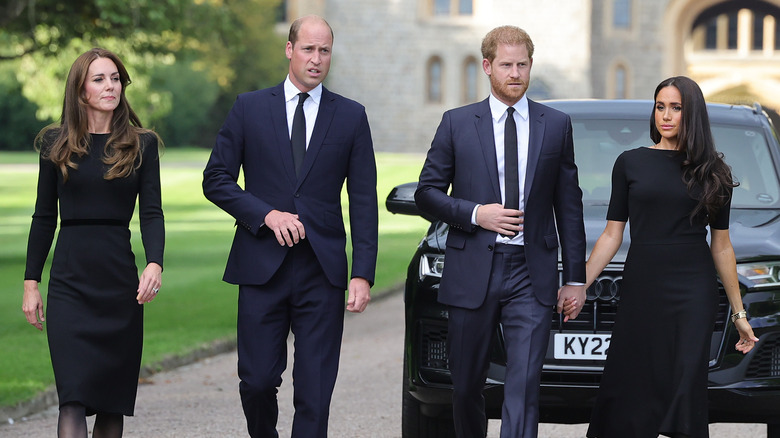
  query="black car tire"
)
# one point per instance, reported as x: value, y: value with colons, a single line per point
x: 414, y: 424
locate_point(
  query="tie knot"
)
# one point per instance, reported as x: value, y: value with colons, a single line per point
x: 302, y: 97
x: 510, y: 110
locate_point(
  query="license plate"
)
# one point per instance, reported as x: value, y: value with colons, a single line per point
x: 581, y: 346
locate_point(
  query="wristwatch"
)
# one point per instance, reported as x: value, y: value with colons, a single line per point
x: 738, y: 315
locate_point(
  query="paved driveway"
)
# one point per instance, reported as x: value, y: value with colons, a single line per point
x: 201, y: 400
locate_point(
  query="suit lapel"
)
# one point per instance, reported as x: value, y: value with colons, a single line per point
x: 484, y: 125
x: 321, y: 126
x: 535, y: 141
x: 278, y: 110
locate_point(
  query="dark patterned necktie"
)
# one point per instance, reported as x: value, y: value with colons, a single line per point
x: 298, y: 136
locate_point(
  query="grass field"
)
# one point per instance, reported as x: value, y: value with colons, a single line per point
x: 194, y: 306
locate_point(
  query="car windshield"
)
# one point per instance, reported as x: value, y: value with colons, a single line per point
x: 598, y: 143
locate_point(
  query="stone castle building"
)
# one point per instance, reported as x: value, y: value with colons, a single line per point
x: 408, y: 61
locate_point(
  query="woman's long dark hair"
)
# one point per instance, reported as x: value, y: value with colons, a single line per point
x: 71, y: 136
x: 705, y: 173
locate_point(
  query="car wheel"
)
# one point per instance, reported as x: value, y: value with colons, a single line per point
x: 415, y: 424
x: 773, y: 430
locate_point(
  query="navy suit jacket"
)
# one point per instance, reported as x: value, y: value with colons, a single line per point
x: 463, y: 156
x: 255, y: 136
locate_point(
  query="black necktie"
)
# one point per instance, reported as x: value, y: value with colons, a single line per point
x: 298, y: 135
x: 511, y: 177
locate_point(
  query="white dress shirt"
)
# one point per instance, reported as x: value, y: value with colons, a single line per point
x: 311, y: 106
x: 498, y: 113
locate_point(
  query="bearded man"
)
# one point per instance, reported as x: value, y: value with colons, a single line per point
x: 509, y: 163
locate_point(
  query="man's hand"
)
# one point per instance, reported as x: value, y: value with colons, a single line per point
x: 286, y: 227
x: 359, y: 295
x: 504, y: 221
x: 571, y: 299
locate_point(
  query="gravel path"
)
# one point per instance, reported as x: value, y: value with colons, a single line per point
x: 201, y: 400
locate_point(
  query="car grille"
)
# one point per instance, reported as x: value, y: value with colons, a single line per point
x: 766, y: 361
x: 603, y: 297
x: 599, y: 311
x: 724, y: 308
x: 598, y: 314
x: 433, y: 337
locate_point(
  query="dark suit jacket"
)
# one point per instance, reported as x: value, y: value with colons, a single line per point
x: 255, y: 137
x: 463, y: 156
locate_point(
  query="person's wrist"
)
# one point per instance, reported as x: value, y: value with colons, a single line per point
x: 742, y: 314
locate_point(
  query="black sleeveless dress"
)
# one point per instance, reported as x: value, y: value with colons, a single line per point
x: 93, y: 322
x: 655, y: 376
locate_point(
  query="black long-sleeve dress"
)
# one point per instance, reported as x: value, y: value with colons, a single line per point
x: 93, y: 321
x: 655, y: 377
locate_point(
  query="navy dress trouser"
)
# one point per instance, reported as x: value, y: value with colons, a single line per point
x: 526, y: 328
x: 298, y: 298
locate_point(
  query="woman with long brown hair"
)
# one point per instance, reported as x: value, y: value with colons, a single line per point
x: 93, y: 166
x: 655, y: 377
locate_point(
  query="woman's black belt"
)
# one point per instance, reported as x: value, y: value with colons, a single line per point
x: 82, y: 222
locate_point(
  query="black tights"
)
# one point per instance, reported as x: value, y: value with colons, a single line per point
x: 72, y: 423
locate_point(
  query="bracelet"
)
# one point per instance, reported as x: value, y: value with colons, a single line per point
x: 738, y: 315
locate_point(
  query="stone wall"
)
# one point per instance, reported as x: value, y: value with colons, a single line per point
x: 382, y: 48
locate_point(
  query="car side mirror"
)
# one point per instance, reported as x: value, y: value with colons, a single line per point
x: 401, y: 201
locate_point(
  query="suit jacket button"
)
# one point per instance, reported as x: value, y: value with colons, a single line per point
x: 490, y: 247
x: 297, y: 195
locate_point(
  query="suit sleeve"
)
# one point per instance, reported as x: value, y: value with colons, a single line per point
x: 436, y: 177
x: 363, y: 207
x: 568, y: 213
x: 150, y: 210
x: 220, y: 178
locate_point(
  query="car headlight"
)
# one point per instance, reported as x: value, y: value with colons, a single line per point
x: 431, y: 265
x: 762, y: 274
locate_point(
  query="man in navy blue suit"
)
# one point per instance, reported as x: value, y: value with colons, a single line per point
x: 509, y: 163
x: 297, y: 143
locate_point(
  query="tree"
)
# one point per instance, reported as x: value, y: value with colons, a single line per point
x: 28, y: 26
x: 17, y: 114
x: 247, y: 54
x: 233, y: 43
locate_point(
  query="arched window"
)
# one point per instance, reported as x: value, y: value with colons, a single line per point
x: 451, y: 7
x: 621, y: 14
x: 434, y: 80
x: 758, y: 31
x: 441, y: 7
x: 620, y: 82
x: 470, y: 77
x: 465, y: 7
x: 745, y: 27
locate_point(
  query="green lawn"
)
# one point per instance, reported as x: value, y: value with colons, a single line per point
x: 194, y: 306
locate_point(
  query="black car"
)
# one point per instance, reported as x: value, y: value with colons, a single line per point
x: 743, y: 389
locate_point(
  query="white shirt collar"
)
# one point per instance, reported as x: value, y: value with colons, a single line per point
x: 498, y: 108
x: 291, y: 91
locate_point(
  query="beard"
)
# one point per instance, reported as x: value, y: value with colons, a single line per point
x: 504, y: 92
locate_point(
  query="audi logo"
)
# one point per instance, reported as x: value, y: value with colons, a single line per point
x: 605, y: 288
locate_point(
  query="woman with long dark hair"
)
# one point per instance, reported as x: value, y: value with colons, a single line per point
x: 655, y: 377
x: 93, y: 166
